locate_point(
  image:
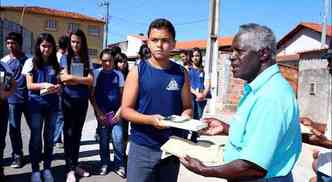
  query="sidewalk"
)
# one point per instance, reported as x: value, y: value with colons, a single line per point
x: 89, y: 157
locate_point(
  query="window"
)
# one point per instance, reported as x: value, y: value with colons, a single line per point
x: 93, y: 52
x: 50, y: 24
x: 93, y: 31
x: 73, y: 27
x: 312, y: 89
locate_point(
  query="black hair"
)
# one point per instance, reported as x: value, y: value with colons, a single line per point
x: 188, y: 53
x: 196, y: 49
x: 110, y: 51
x: 63, y: 42
x: 122, y: 58
x: 37, y: 59
x: 15, y: 36
x: 83, y: 53
x: 162, y: 23
x: 144, y: 52
x: 116, y: 49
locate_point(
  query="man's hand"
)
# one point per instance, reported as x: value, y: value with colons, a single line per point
x: 215, y: 127
x: 193, y: 165
x: 158, y: 121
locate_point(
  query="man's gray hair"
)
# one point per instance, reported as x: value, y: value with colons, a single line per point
x: 257, y: 37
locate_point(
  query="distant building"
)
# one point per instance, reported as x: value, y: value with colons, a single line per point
x: 301, y: 51
x: 56, y: 22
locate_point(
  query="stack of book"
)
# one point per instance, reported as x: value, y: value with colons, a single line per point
x: 184, y: 123
x: 210, y: 155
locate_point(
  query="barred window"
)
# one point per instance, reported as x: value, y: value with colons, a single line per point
x: 72, y: 27
x: 93, y: 31
x: 312, y: 89
x: 93, y: 52
x: 50, y: 24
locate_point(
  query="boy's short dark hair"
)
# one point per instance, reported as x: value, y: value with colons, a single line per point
x: 63, y: 42
x: 15, y: 36
x: 162, y: 23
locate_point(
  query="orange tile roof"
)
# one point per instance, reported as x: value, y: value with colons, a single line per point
x: 312, y: 26
x: 202, y: 44
x: 52, y: 12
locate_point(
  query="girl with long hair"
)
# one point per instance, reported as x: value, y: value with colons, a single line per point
x: 77, y: 79
x: 199, y: 86
x: 42, y: 71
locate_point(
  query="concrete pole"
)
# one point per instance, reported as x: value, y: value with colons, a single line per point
x: 327, y: 6
x: 212, y: 54
x: 106, y: 4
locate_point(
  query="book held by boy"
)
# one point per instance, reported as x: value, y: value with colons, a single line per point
x: 184, y: 123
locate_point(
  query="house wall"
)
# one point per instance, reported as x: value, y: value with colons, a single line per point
x: 36, y: 23
x: 133, y: 46
x: 304, y: 40
x: 316, y: 105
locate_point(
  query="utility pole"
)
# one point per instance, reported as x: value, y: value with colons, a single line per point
x: 106, y: 4
x: 327, y: 9
x: 212, y: 53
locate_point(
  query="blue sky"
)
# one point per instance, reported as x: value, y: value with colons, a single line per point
x: 190, y: 17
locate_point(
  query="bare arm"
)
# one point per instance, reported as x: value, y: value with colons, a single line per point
x: 129, y: 98
x: 236, y: 170
x: 186, y: 97
x: 100, y: 116
x: 69, y: 79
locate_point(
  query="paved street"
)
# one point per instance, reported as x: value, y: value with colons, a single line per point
x: 89, y: 157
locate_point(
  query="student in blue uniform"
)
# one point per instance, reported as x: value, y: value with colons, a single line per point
x: 198, y: 89
x: 75, y: 97
x: 42, y: 72
x: 17, y: 102
x: 197, y: 80
x: 105, y: 98
x: 121, y: 64
x: 5, y: 91
x: 154, y: 89
x: 62, y: 51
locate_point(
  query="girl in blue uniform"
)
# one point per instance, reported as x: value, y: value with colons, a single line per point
x: 42, y: 71
x: 198, y: 90
x: 197, y: 81
x: 77, y: 79
x: 105, y: 98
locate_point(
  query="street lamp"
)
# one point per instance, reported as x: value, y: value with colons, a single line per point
x: 106, y: 4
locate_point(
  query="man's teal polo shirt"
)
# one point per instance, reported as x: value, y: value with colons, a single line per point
x: 265, y: 129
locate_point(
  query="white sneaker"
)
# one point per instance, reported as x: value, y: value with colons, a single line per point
x: 35, y: 177
x: 71, y: 176
x: 47, y: 175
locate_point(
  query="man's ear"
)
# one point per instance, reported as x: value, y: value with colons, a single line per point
x: 264, y: 54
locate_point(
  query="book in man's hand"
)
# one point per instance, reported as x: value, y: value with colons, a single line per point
x: 184, y: 123
x: 77, y: 69
x: 210, y: 155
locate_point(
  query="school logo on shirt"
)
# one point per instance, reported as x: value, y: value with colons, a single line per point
x: 172, y: 85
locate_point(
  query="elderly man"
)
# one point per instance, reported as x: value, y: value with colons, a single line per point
x: 264, y: 135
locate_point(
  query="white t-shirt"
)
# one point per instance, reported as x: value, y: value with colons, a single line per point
x: 96, y: 73
x: 27, y: 67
